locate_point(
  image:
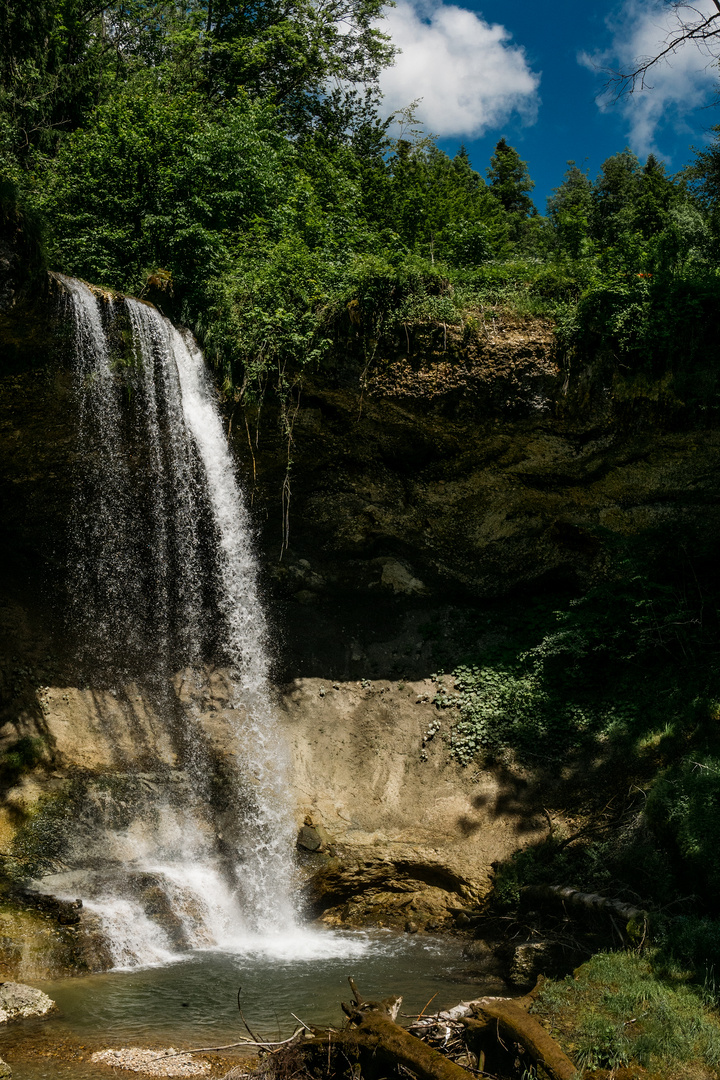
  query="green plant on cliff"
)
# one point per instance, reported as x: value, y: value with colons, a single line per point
x: 621, y: 684
x: 684, y: 808
x: 596, y: 672
x: 41, y: 844
x: 20, y: 757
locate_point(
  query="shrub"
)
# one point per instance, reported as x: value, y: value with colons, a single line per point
x: 20, y: 757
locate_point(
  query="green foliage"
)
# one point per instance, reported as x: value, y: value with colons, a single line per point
x: 511, y: 185
x: 620, y: 858
x: 569, y: 680
x: 684, y: 807
x: 570, y: 210
x: 286, y: 305
x: 625, y: 675
x: 650, y: 288
x: 654, y: 320
x: 703, y: 178
x: 441, y: 207
x: 158, y: 181
x: 159, y: 138
x: 613, y: 197
x: 49, y: 68
x: 60, y: 58
x: 205, y: 139
x: 289, y: 51
x: 688, y: 946
x: 41, y: 844
x: 20, y: 757
x: 22, y: 228
x: 618, y: 1009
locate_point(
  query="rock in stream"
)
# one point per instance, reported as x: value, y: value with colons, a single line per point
x: 21, y: 1002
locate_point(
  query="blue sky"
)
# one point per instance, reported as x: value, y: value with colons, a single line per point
x: 534, y: 73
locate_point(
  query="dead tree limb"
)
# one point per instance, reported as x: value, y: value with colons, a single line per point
x: 381, y: 1036
x: 703, y: 31
x: 512, y: 1023
x: 372, y: 1029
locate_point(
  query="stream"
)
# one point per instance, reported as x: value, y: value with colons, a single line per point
x: 193, y: 1002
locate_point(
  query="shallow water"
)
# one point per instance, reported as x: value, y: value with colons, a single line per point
x: 193, y: 1002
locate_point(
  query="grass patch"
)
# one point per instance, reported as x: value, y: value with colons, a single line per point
x: 616, y: 1011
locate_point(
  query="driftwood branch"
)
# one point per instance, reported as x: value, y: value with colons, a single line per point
x: 233, y: 1046
x: 372, y: 1030
x: 376, y: 1033
x: 491, y: 1028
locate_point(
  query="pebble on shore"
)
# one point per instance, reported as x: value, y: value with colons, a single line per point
x: 169, y: 1062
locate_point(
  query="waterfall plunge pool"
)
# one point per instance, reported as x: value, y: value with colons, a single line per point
x: 193, y: 1002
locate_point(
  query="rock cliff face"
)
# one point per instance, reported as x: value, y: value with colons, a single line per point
x: 467, y: 467
x: 470, y: 468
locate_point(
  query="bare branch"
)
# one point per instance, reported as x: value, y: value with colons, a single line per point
x: 702, y: 32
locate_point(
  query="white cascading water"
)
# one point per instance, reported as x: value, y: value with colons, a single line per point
x: 164, y: 580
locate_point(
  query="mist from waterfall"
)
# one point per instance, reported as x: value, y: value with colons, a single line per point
x: 164, y: 590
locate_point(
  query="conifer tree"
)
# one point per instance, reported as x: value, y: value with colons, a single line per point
x: 511, y: 185
x: 570, y: 210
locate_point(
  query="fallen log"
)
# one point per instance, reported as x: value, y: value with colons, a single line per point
x: 385, y: 1039
x: 590, y: 902
x: 509, y: 1021
x: 372, y: 1030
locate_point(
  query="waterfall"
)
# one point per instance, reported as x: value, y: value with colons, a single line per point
x: 164, y: 596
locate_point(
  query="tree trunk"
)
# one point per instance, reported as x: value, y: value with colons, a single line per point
x: 589, y: 902
x: 376, y: 1033
x: 509, y: 1021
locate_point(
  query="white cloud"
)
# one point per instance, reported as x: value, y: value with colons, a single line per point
x: 470, y: 76
x: 673, y: 88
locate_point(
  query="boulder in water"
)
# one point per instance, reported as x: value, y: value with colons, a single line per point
x: 5, y: 1070
x: 21, y: 1002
